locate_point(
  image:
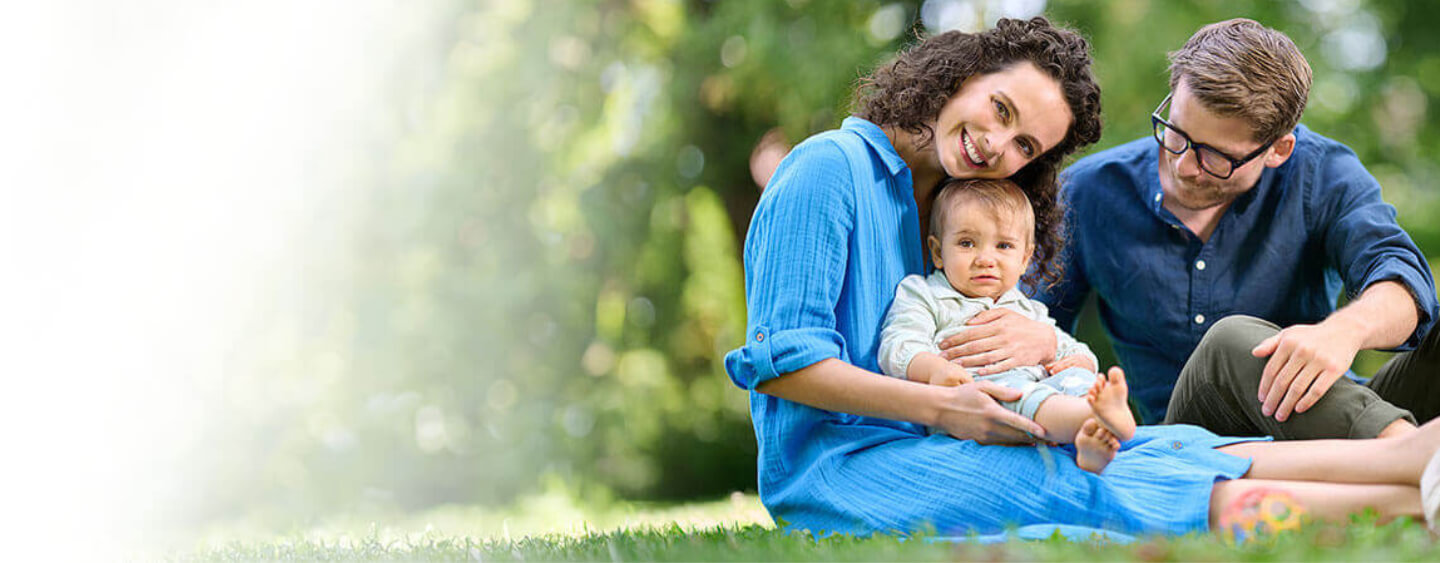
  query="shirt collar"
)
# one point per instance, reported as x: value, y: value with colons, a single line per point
x: 943, y: 290
x: 877, y: 139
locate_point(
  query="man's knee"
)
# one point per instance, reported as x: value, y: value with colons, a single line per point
x: 1237, y: 333
x: 1223, y: 355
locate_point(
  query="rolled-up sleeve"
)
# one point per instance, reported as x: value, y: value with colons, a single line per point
x: 1365, y: 243
x: 795, y: 257
x: 909, y: 327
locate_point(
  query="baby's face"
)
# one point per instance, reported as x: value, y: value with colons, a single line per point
x: 984, y: 252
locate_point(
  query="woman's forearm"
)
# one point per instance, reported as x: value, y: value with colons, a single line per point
x: 838, y: 386
x: 968, y: 412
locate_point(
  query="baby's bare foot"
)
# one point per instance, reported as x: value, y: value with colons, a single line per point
x: 1094, y: 446
x: 1108, y: 401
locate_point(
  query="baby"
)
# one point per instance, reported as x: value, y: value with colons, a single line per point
x: 982, y: 236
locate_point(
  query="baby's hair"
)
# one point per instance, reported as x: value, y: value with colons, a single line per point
x: 999, y: 196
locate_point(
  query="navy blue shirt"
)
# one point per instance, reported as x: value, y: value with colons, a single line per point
x: 1281, y: 252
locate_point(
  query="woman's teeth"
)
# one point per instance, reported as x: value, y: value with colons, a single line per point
x: 970, y: 150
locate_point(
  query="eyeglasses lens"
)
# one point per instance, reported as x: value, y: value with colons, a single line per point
x: 1213, y: 162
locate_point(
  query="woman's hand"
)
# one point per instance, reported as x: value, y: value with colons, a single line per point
x: 970, y: 412
x: 999, y: 340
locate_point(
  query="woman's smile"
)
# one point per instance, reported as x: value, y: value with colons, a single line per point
x: 970, y: 153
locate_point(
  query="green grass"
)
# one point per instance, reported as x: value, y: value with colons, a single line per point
x: 548, y: 528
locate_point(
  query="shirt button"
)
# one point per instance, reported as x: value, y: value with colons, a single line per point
x: 1176, y: 445
x: 1157, y: 198
x: 1199, y: 264
x: 1199, y: 319
x: 759, y: 337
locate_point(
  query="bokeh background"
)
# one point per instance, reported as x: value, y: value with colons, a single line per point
x: 279, y: 260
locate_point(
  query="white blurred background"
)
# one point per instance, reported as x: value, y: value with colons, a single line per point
x: 157, y: 159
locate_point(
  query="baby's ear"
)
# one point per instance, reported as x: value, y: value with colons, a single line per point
x: 934, y: 244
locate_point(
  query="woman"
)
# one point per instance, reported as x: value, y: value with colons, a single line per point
x: 842, y: 449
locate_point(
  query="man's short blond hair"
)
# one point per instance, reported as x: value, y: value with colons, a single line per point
x: 1239, y: 68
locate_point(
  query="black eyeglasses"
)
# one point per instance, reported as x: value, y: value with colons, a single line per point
x: 1212, y: 161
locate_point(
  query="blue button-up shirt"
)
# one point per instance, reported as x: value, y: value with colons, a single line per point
x: 1281, y: 252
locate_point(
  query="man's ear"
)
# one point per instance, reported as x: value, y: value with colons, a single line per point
x: 1280, y: 151
x: 934, y: 244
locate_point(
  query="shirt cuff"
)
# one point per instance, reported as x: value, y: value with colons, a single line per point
x: 1067, y: 346
x: 768, y: 355
x: 900, y: 358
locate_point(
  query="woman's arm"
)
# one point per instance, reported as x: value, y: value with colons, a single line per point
x: 968, y: 412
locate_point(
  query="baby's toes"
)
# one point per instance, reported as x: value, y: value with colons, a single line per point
x: 1115, y: 376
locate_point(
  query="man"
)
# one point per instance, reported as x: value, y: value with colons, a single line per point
x: 1229, y: 234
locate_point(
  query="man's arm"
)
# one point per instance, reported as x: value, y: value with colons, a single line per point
x: 1305, y: 360
x: 1365, y: 243
x: 1385, y: 315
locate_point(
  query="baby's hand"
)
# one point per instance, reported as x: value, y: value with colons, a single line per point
x: 1075, y: 361
x: 954, y: 376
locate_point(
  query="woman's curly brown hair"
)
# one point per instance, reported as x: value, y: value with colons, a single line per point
x: 908, y: 93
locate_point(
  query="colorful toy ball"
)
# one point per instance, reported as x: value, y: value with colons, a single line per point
x: 1260, y: 512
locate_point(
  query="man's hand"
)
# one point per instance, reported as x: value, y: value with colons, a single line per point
x: 1305, y: 360
x: 1073, y: 361
x: 972, y: 413
x: 999, y: 340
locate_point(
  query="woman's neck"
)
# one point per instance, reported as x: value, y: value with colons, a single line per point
x: 925, y: 171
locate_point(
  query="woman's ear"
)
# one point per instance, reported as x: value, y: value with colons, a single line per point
x: 934, y: 251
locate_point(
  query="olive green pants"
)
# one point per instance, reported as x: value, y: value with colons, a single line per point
x: 1219, y: 385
